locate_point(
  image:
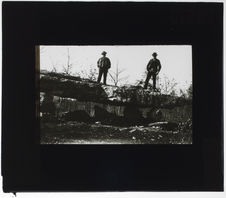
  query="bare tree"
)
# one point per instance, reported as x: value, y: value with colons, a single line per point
x: 68, y: 67
x: 53, y: 64
x: 116, y: 77
x: 91, y: 73
x: 186, y: 93
x: 167, y: 86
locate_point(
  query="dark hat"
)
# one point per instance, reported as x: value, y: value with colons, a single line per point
x: 154, y: 54
x: 103, y: 53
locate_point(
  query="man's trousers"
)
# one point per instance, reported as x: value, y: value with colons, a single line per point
x: 149, y: 75
x: 104, y: 73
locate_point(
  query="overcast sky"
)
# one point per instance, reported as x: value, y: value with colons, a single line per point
x: 176, y: 60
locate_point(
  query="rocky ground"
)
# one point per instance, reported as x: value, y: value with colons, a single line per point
x: 95, y: 133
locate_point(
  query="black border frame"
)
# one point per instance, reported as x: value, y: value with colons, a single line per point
x: 28, y: 166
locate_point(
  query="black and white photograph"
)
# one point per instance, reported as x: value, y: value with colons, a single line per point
x: 112, y: 97
x: 118, y: 94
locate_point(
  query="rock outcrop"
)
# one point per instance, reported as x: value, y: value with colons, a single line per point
x: 72, y: 98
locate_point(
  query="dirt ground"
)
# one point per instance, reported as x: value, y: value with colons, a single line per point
x: 86, y: 133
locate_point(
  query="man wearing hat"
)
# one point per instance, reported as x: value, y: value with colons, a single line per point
x: 104, y: 64
x: 153, y: 68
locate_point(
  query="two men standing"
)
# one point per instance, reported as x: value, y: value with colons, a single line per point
x: 103, y: 64
x: 153, y: 68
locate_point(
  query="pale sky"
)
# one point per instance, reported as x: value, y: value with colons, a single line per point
x: 176, y: 60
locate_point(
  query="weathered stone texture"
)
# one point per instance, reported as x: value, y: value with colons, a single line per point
x: 67, y: 94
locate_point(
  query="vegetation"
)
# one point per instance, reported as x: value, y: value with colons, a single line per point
x: 77, y: 126
x: 67, y: 69
x: 117, y: 76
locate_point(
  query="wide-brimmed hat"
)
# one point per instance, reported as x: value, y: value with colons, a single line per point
x: 154, y: 54
x: 103, y: 53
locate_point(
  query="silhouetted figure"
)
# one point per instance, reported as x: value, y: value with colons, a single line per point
x: 153, y: 68
x: 104, y: 64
